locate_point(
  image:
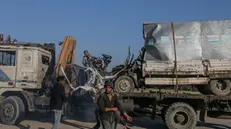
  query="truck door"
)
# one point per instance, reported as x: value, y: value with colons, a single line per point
x: 26, y: 72
x: 7, y: 67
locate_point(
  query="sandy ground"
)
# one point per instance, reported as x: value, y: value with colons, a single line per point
x: 43, y: 121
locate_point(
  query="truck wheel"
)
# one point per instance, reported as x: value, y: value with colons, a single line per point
x: 220, y: 87
x: 124, y: 84
x: 180, y: 116
x: 12, y: 111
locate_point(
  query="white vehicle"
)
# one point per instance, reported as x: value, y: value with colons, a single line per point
x: 26, y: 71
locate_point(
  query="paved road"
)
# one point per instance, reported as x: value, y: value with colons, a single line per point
x: 41, y: 121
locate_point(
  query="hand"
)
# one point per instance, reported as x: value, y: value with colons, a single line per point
x: 115, y: 109
x: 127, y: 127
x: 70, y: 93
x: 129, y: 118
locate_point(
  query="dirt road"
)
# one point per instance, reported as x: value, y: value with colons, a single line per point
x: 42, y: 121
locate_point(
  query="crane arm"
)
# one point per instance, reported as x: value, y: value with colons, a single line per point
x: 66, y: 55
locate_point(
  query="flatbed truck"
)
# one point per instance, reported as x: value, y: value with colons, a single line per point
x: 177, y: 56
x: 178, y: 111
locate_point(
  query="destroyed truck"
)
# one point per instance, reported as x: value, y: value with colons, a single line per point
x: 183, y: 70
x: 185, y: 53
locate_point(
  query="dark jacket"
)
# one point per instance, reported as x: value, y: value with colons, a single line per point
x: 104, y: 102
x: 57, y: 97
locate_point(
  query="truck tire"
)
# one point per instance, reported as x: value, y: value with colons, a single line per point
x: 220, y: 87
x: 12, y: 110
x: 180, y: 116
x: 124, y: 84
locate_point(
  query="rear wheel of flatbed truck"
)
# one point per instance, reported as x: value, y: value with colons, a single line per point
x: 180, y: 116
x: 12, y: 110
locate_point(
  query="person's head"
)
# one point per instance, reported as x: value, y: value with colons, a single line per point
x: 108, y: 87
x: 61, y: 80
x: 86, y: 53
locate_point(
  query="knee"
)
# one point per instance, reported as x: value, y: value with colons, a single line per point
x: 96, y: 111
x: 118, y: 114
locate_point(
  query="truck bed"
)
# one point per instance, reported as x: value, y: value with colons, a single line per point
x: 188, y: 67
x: 188, y: 72
x: 160, y: 95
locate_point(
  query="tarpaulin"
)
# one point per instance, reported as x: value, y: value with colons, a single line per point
x: 198, y: 40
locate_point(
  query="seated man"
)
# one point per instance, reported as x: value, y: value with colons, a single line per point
x: 117, y: 118
x: 87, y: 56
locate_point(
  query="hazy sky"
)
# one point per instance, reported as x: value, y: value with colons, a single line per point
x: 100, y: 26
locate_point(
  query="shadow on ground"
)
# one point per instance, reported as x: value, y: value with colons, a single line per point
x: 147, y: 123
x: 25, y: 126
x: 85, y: 113
x: 47, y: 118
x: 75, y: 125
x: 141, y: 122
x: 213, y: 126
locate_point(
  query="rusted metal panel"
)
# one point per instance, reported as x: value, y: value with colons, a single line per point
x: 190, y: 67
x: 219, y: 66
x: 161, y: 96
x: 193, y: 67
x: 158, y: 66
x: 172, y: 81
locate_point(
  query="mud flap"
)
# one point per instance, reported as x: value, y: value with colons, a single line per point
x: 153, y: 110
x: 202, y: 112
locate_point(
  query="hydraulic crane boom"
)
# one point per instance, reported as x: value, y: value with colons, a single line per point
x: 66, y: 55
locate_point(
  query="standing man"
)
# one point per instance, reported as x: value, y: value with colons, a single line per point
x: 57, y: 99
x: 108, y: 106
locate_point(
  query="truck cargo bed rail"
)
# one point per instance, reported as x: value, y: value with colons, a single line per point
x: 161, y: 96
